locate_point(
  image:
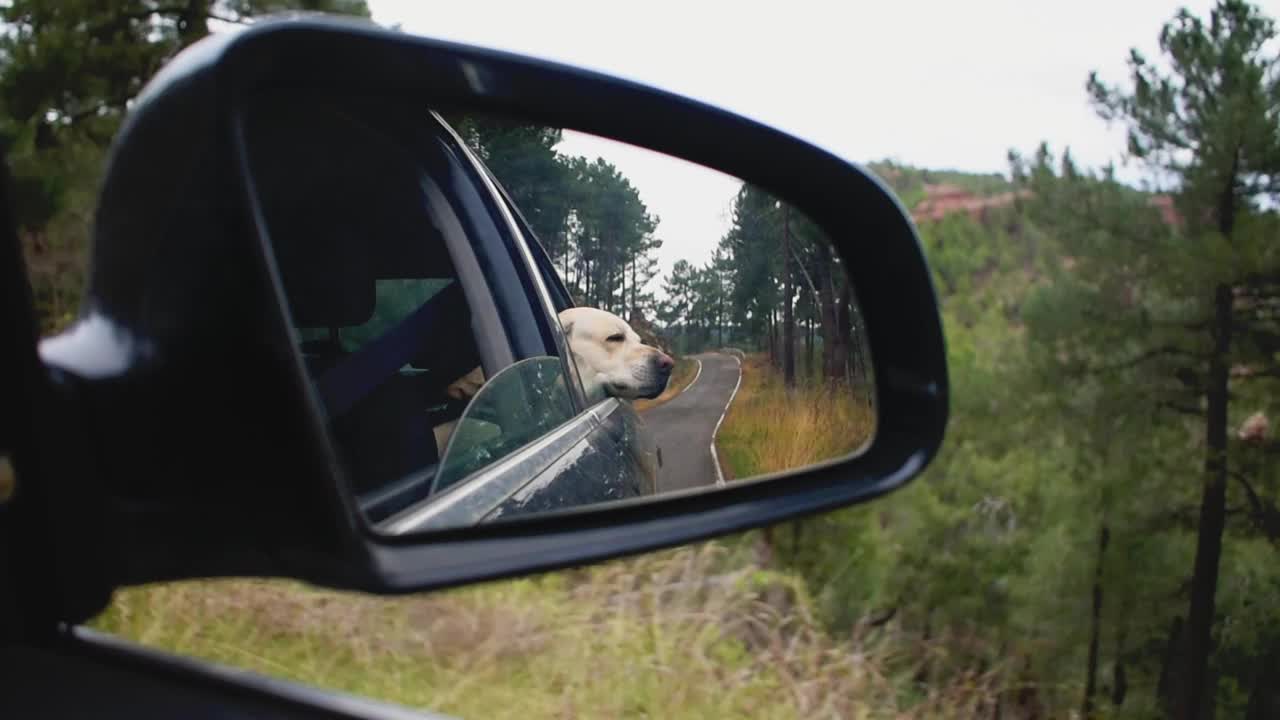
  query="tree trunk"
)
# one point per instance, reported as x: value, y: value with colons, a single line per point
x: 612, y: 289
x: 1213, y: 511
x: 788, y: 311
x: 840, y: 357
x: 827, y: 311
x: 1095, y: 626
x: 622, y: 292
x: 193, y: 21
x: 773, y: 339
x: 857, y: 353
x: 1264, y: 697
x: 1171, y: 668
x: 1119, y: 679
x: 808, y: 344
x: 720, y: 316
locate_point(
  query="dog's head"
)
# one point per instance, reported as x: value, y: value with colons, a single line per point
x: 610, y: 356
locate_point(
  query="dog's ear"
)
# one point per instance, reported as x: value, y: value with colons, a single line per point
x: 568, y: 330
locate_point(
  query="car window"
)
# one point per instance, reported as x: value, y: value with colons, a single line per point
x: 394, y: 300
x: 524, y: 402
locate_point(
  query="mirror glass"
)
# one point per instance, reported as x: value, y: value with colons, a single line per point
x: 502, y: 319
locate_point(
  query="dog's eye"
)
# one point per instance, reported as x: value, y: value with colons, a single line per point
x: 616, y: 337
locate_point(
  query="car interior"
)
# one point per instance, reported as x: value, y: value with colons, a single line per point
x: 374, y: 298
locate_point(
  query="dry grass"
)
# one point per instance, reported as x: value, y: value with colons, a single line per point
x: 691, y: 633
x: 770, y: 429
x: 682, y: 374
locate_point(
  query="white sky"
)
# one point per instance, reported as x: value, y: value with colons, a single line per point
x: 933, y: 83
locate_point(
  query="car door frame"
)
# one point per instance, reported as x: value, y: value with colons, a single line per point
x: 518, y: 241
x: 558, y: 296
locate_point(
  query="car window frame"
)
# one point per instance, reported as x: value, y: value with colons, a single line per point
x: 551, y: 293
x: 561, y: 298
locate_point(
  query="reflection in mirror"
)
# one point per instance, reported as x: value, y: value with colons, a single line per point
x: 502, y: 319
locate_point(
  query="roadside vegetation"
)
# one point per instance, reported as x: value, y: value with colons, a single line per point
x: 698, y: 632
x: 770, y: 428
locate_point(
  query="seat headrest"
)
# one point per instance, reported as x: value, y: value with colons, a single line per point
x: 344, y: 205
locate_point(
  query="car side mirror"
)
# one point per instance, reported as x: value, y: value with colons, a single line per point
x: 337, y: 329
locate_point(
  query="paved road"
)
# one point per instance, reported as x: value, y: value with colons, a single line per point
x: 683, y: 426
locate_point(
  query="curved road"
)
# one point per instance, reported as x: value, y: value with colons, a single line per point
x: 684, y: 426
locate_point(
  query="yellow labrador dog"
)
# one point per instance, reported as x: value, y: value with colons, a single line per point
x: 611, y: 359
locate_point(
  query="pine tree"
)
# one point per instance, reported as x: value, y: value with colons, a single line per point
x: 1211, y: 126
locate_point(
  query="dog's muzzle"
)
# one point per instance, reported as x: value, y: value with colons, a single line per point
x: 659, y: 373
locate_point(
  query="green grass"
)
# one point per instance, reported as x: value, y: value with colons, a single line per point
x: 692, y: 633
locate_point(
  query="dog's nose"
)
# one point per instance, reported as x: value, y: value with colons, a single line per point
x: 665, y: 362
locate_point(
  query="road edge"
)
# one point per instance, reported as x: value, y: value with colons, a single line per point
x: 715, y: 456
x: 685, y: 389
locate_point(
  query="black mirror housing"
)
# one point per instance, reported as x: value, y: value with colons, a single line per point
x: 205, y: 450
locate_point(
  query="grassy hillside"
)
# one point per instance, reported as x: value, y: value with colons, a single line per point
x: 700, y: 632
x: 909, y: 182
